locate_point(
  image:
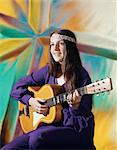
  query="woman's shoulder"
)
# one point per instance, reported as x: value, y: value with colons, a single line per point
x: 83, y: 70
x: 42, y: 71
x: 84, y: 74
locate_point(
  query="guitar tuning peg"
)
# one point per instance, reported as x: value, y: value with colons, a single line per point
x: 97, y: 94
x: 96, y: 80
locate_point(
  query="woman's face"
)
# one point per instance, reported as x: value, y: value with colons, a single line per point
x: 57, y: 48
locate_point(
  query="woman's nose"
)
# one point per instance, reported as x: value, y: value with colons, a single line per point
x: 57, y: 47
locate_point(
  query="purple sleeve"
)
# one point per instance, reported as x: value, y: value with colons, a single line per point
x: 20, y: 89
x: 78, y: 117
x: 86, y: 101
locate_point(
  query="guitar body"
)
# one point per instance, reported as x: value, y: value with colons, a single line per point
x: 32, y: 120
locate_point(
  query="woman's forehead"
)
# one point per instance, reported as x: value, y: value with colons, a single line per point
x: 56, y: 38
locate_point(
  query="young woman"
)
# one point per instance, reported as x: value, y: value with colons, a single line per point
x: 76, y: 128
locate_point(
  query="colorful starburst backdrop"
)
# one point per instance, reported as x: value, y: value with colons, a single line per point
x: 25, y: 26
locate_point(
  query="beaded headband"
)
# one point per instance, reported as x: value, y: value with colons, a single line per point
x: 65, y: 37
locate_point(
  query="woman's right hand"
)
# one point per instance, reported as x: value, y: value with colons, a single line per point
x: 35, y: 103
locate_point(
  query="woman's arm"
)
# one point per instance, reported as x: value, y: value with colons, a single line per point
x: 78, y: 116
x: 20, y: 90
x: 86, y: 100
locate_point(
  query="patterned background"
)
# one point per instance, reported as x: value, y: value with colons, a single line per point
x: 25, y: 26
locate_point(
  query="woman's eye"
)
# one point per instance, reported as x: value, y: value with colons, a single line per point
x: 51, y: 44
x: 62, y: 43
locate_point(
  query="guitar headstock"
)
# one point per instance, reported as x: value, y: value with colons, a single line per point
x: 99, y: 86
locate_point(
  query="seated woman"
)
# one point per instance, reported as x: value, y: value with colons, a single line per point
x: 76, y: 128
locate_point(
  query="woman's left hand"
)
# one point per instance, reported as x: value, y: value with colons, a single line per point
x: 74, y: 99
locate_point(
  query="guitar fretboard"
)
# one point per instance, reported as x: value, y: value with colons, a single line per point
x: 63, y: 97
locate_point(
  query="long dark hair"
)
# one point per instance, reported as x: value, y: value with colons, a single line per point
x: 71, y: 61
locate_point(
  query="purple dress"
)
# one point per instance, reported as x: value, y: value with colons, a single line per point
x: 75, y: 130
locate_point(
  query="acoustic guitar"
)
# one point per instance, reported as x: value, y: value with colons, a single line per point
x: 54, y: 96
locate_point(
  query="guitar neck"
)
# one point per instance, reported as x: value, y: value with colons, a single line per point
x: 93, y: 88
x: 63, y: 97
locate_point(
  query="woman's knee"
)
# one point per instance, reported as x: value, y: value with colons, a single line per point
x: 37, y: 142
